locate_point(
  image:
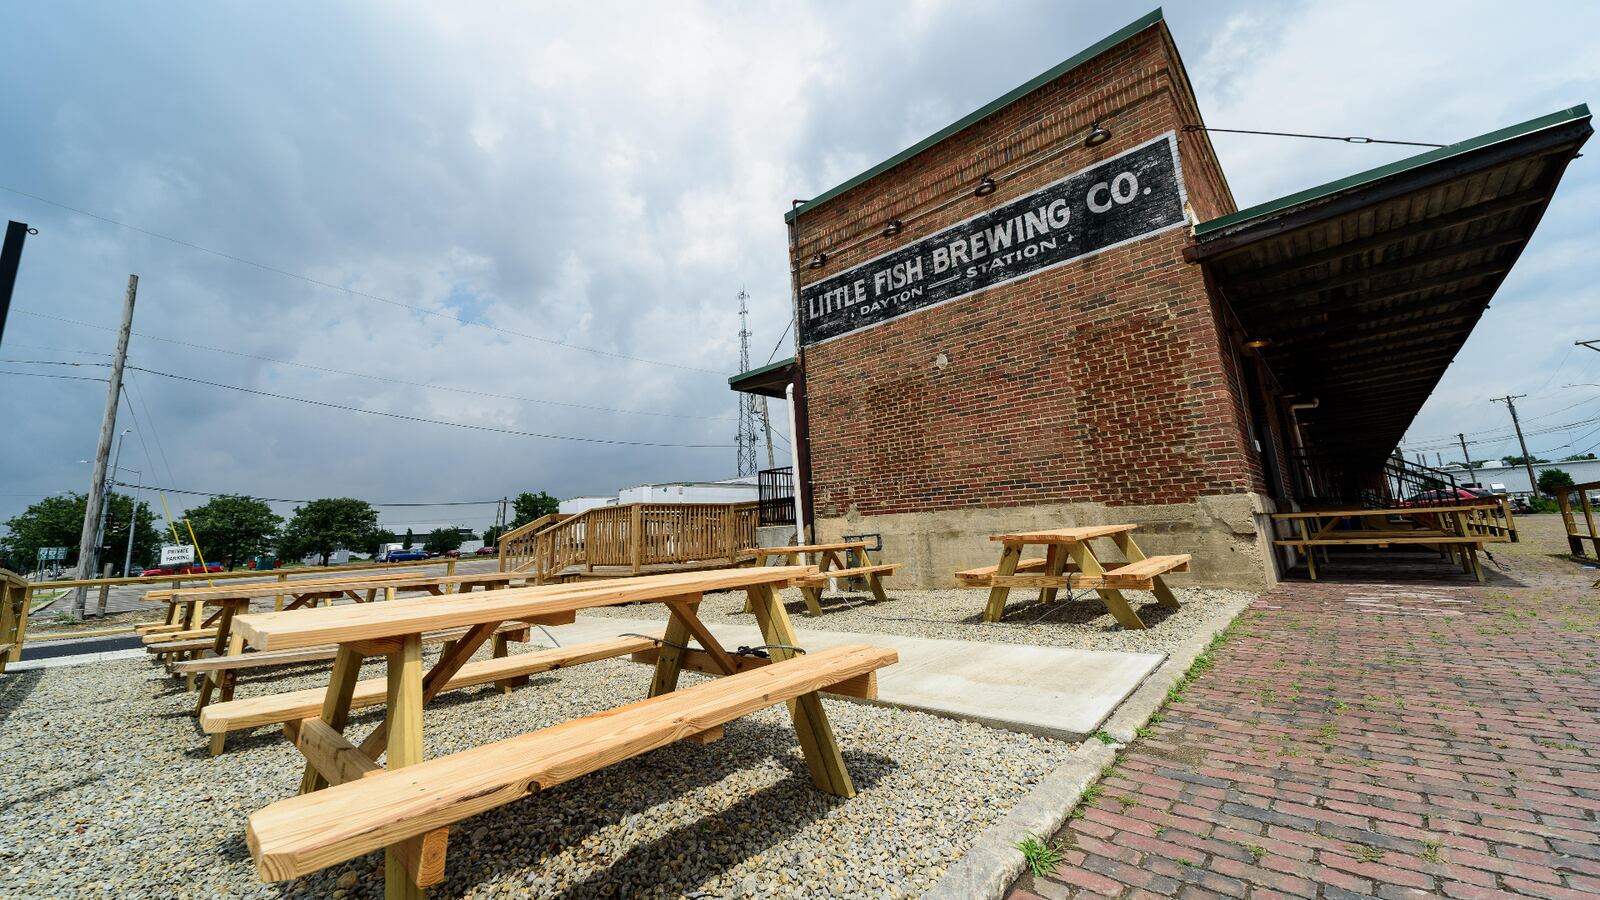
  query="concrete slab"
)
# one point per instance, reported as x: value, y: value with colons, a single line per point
x: 1058, y: 692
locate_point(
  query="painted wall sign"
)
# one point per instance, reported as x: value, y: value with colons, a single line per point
x: 1128, y: 197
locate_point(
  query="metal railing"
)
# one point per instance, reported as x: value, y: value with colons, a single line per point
x: 775, y: 496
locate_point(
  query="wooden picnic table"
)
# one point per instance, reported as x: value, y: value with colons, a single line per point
x: 409, y: 816
x: 1457, y: 531
x: 828, y: 556
x: 1085, y: 570
x: 215, y: 634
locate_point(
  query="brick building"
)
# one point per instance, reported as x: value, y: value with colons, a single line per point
x: 1051, y: 312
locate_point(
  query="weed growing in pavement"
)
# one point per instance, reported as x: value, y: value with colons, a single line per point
x: 1042, y: 858
x: 1127, y: 802
x: 1255, y: 850
x: 1104, y: 737
x: 1430, y: 851
x: 1368, y: 854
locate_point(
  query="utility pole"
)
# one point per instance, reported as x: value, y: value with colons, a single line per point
x: 1592, y: 345
x: 133, y: 525
x: 1466, y: 460
x: 1510, y: 400
x: 745, y: 436
x: 88, y: 553
x: 10, y: 259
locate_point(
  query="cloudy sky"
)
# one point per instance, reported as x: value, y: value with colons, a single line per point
x: 330, y: 191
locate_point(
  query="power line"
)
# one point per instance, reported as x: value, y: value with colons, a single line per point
x: 403, y: 417
x: 380, y: 378
x: 348, y: 290
x: 1352, y: 139
x: 155, y: 430
x: 53, y: 375
x: 173, y: 490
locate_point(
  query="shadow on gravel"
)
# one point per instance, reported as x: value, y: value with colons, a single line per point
x: 15, y: 687
x: 47, y: 793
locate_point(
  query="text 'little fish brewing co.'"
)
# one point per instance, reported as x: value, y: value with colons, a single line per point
x: 1125, y: 198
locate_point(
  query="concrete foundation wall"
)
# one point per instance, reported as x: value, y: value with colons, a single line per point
x: 1226, y: 534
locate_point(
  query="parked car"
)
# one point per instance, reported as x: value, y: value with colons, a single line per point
x: 184, y: 569
x: 487, y: 550
x: 412, y: 555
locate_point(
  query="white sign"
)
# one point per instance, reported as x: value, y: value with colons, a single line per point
x: 172, y: 554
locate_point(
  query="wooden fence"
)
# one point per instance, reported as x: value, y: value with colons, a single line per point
x: 632, y: 536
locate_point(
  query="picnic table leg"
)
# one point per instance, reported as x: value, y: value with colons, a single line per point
x: 670, y: 661
x: 225, y: 683
x: 404, y: 864
x: 335, y: 707
x: 197, y: 610
x: 1115, y: 602
x: 1054, y: 563
x: 813, y: 596
x: 218, y: 648
x: 999, y: 593
x: 277, y: 601
x: 1309, y: 552
x: 1132, y: 552
x: 1477, y: 567
x: 817, y: 743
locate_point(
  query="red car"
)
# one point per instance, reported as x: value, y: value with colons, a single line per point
x: 488, y: 550
x: 184, y: 569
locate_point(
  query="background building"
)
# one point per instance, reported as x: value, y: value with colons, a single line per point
x: 1050, y: 312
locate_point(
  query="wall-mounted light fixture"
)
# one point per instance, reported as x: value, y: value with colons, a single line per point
x: 893, y: 227
x: 986, y: 186
x: 818, y: 261
x: 1096, y: 136
x: 1258, y: 343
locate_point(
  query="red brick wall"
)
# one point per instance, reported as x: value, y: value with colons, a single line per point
x: 1101, y: 380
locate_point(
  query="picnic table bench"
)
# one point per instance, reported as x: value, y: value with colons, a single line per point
x: 349, y: 805
x: 828, y: 556
x: 1458, y: 532
x: 1084, y: 570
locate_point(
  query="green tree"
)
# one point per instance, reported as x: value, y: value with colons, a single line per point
x: 232, y: 528
x: 57, y: 521
x: 1577, y: 457
x: 1518, y: 460
x: 442, y: 540
x: 492, y: 534
x: 381, y: 537
x: 323, y: 526
x: 529, y: 506
x: 410, y: 539
x: 1552, y: 480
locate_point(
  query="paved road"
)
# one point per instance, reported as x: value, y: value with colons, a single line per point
x: 52, y: 649
x: 1378, y: 735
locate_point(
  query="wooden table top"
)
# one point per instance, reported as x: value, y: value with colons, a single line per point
x: 811, y: 548
x: 1063, y: 535
x: 399, y: 581
x: 359, y: 622
x: 1385, y: 511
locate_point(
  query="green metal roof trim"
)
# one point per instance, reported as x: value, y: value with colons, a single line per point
x: 1360, y: 179
x: 1093, y: 50
x: 764, y: 369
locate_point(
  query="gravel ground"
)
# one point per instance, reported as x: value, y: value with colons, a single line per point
x: 109, y: 792
x: 957, y: 613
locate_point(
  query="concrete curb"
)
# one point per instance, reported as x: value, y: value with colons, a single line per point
x: 81, y: 659
x: 993, y: 862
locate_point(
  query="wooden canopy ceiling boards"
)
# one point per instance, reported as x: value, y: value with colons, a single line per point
x: 1363, y: 290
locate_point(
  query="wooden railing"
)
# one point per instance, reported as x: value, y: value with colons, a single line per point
x: 14, y: 597
x: 519, y: 548
x: 635, y: 536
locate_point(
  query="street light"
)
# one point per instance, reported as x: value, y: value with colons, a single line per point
x: 133, y: 523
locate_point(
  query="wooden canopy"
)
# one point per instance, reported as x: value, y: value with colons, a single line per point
x: 1360, y: 292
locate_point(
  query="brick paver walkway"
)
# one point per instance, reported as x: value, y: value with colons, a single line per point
x: 1367, y: 738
